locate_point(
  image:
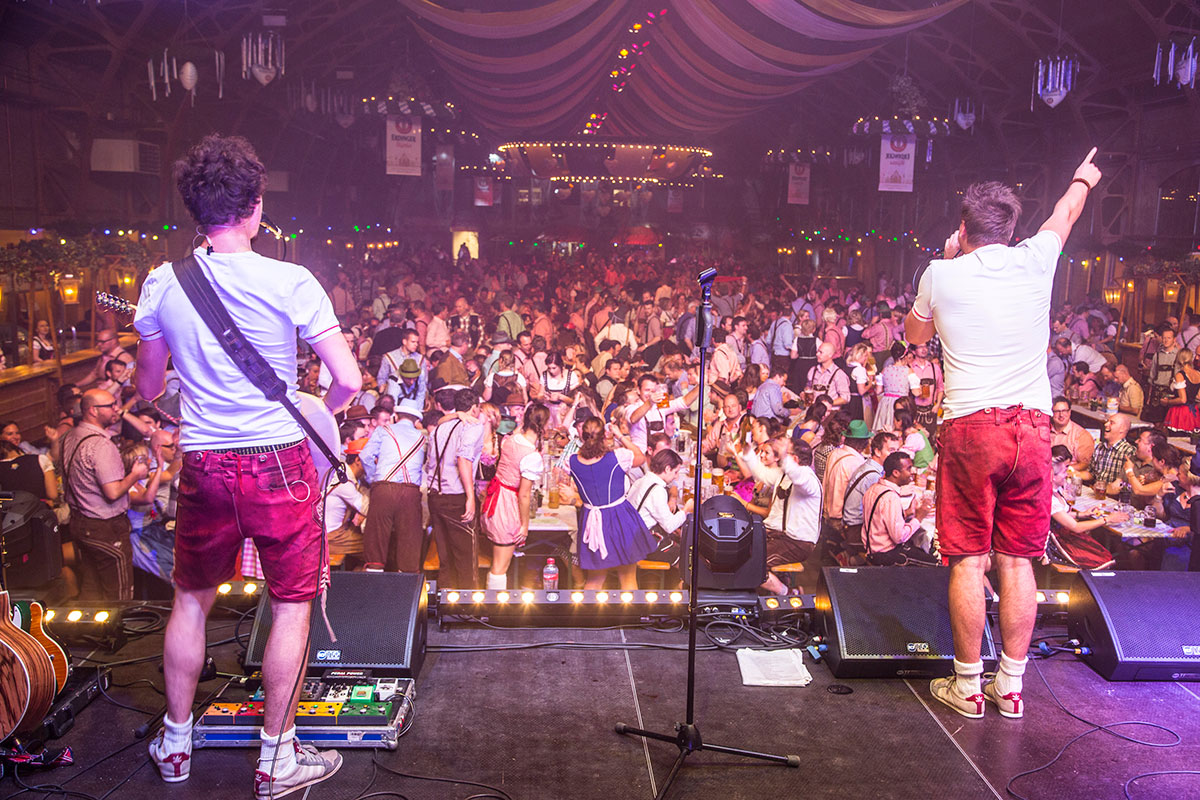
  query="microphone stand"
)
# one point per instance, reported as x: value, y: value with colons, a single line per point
x: 687, y: 734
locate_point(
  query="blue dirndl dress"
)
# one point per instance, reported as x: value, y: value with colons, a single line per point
x: 612, y: 532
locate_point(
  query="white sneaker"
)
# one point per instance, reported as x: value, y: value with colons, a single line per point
x: 1009, y: 705
x: 943, y: 690
x: 310, y: 766
x: 173, y: 767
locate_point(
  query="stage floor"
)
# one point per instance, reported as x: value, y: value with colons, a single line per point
x: 538, y: 723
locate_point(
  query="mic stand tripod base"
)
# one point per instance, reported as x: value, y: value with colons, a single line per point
x: 687, y: 739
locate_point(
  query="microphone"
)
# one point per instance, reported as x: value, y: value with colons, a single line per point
x: 266, y: 223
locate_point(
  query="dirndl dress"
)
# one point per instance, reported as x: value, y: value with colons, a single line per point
x: 501, y: 503
x: 612, y: 533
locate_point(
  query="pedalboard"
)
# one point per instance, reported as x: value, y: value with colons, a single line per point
x: 342, y: 708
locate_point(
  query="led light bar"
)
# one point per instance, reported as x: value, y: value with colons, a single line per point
x: 565, y: 607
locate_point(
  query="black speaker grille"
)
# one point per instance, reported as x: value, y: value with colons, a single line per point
x: 1151, y: 619
x: 379, y: 620
x: 894, y: 612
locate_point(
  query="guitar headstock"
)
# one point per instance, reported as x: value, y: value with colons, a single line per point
x: 119, y: 305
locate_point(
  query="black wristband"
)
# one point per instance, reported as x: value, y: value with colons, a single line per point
x: 1085, y: 183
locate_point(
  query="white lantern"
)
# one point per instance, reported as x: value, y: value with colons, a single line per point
x: 262, y: 74
x: 188, y: 75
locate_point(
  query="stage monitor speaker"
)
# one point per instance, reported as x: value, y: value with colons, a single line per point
x: 31, y: 541
x: 889, y: 622
x: 1139, y: 626
x: 379, y: 619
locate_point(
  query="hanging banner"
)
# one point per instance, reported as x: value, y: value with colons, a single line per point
x: 403, y: 145
x: 896, y: 162
x: 799, y: 176
x: 674, y: 201
x: 483, y: 192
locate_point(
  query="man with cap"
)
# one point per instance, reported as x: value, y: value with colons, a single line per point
x: 393, y: 462
x: 391, y: 368
x: 842, y: 462
x: 501, y: 343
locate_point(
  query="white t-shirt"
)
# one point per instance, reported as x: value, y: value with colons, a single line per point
x: 991, y: 309
x: 342, y: 502
x: 271, y: 301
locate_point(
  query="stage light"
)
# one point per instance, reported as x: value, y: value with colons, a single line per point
x: 101, y: 616
x: 1041, y: 596
x: 502, y: 597
x: 250, y: 588
x: 1062, y: 597
x: 626, y: 597
x: 795, y: 602
x: 772, y: 603
x: 50, y: 614
x: 601, y: 597
x: 552, y: 597
x: 224, y: 588
x: 526, y: 597
x: 651, y: 597
x: 477, y: 597
x: 75, y: 616
x: 676, y: 597
x: 576, y: 597
x: 732, y: 547
x: 452, y: 597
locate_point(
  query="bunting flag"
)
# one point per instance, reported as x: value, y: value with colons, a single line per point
x: 539, y: 70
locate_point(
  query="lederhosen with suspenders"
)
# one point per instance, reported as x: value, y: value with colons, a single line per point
x: 832, y: 528
x: 785, y: 494
x: 668, y: 543
x: 853, y: 533
x: 439, y: 453
x: 122, y: 559
x: 903, y: 554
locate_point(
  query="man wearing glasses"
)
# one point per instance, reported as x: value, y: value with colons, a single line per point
x: 97, y: 491
x: 110, y: 350
x: 1070, y: 434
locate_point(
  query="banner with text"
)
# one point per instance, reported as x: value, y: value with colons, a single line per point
x: 896, y: 157
x: 403, y: 145
x: 674, y: 201
x: 799, y: 177
x: 483, y: 192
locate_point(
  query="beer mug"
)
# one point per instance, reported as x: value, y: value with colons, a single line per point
x: 926, y: 388
x: 718, y: 479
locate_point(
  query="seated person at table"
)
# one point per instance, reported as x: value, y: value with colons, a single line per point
x: 1110, y: 456
x: 658, y: 506
x: 1083, y: 382
x: 1070, y: 434
x: 1131, y: 398
x: 893, y: 514
x: 793, y: 522
x: 1140, y: 473
x: 1173, y: 503
x: 1182, y: 413
x: 1060, y: 507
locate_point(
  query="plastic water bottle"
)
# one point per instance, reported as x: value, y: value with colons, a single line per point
x: 550, y: 576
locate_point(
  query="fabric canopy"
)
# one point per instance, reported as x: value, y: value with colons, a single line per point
x: 542, y: 69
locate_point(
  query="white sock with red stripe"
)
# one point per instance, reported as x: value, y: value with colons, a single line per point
x: 967, y: 678
x: 1010, y: 677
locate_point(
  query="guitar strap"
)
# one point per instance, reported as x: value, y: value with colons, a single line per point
x: 235, y: 344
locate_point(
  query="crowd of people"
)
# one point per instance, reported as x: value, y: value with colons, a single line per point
x: 483, y: 387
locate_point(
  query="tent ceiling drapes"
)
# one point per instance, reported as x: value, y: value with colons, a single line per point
x: 709, y: 62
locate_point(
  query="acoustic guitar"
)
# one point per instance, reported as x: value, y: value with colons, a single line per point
x: 27, y: 683
x: 311, y: 406
x: 29, y: 616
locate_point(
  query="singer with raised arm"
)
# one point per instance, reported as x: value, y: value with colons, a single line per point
x: 247, y: 470
x: 990, y: 305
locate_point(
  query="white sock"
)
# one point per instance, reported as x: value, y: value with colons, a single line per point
x: 277, y: 751
x: 967, y: 677
x: 1009, y: 677
x: 177, y: 736
x: 497, y: 581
